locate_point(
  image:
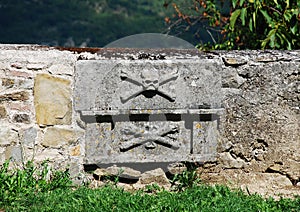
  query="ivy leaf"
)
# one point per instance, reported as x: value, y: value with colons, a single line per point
x: 233, y: 18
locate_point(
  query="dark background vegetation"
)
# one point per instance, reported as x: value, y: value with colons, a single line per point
x: 93, y: 23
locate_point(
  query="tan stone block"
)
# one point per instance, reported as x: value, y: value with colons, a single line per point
x: 52, y: 100
x: 58, y: 137
x: 75, y: 151
x: 15, y: 96
x: 3, y: 112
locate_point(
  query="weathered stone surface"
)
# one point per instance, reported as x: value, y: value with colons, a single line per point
x: 230, y: 162
x: 265, y: 184
x: 29, y: 137
x: 14, y: 153
x: 75, y: 151
x: 53, y: 155
x: 156, y: 176
x: 52, y: 100
x: 124, y: 172
x: 161, y: 111
x: 147, y: 85
x: 6, y: 82
x: 58, y: 137
x: 3, y: 112
x: 7, y: 135
x: 21, y: 118
x: 176, y: 168
x: 14, y: 96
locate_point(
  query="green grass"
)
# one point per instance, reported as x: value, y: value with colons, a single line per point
x: 55, y: 195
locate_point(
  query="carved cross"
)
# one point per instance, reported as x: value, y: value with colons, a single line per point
x: 149, y: 80
x: 136, y: 137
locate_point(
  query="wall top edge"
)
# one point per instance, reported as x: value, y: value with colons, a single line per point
x: 157, y: 54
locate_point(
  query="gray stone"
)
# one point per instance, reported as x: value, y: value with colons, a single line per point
x: 183, y: 84
x: 7, y: 135
x: 160, y: 111
x: 14, y: 153
x: 125, y: 172
x: 58, y: 137
x: 29, y: 137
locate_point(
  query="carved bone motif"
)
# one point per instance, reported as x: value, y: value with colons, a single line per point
x: 149, y: 80
x: 160, y: 136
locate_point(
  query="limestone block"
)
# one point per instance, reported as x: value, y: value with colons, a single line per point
x: 15, y: 96
x: 7, y: 135
x: 29, y: 136
x: 58, y: 137
x: 14, y: 153
x: 75, y: 151
x: 3, y: 112
x: 61, y: 69
x: 52, y: 100
x: 49, y: 154
x: 156, y: 176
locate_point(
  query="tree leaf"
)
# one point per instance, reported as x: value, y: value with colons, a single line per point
x: 267, y: 17
x: 243, y: 16
x: 251, y: 25
x: 242, y: 2
x: 233, y: 18
x: 234, y: 2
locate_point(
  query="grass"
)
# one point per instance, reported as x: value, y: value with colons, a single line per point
x: 56, y: 194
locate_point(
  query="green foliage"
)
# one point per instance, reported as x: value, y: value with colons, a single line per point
x: 68, y: 23
x: 186, y: 179
x: 249, y: 24
x: 19, y: 183
x: 108, y: 198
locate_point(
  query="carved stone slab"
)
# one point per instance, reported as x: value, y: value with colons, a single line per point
x: 114, y: 85
x: 149, y: 111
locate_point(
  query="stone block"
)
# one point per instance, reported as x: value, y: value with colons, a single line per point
x: 3, y: 112
x: 149, y: 111
x: 21, y: 118
x: 14, y: 153
x: 14, y: 96
x: 7, y: 135
x: 52, y: 100
x: 58, y: 137
x: 29, y: 136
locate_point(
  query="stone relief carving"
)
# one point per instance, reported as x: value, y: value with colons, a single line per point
x: 149, y: 82
x: 150, y: 136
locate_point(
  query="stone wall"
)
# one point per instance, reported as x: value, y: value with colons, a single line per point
x: 259, y: 131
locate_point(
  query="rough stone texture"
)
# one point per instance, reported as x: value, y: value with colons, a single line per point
x: 29, y: 137
x: 258, y: 131
x: 156, y: 176
x: 147, y: 85
x: 124, y: 172
x: 3, y: 112
x: 14, y: 153
x: 21, y: 118
x: 266, y: 184
x: 180, y: 98
x: 8, y: 135
x: 58, y: 137
x: 52, y: 100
